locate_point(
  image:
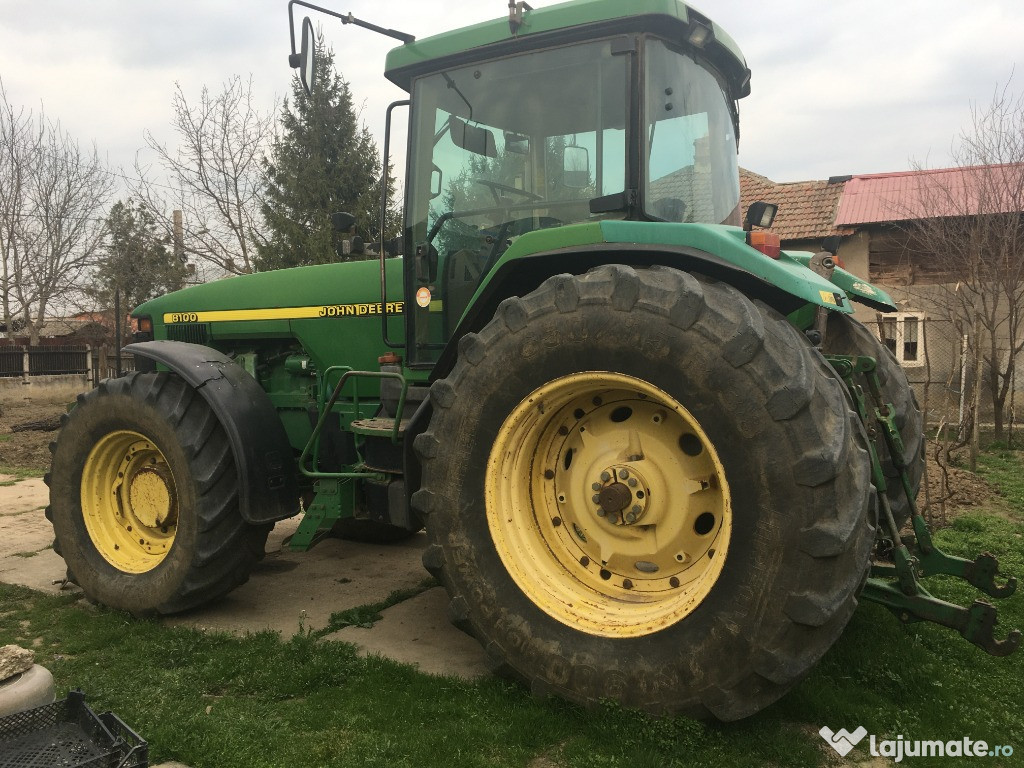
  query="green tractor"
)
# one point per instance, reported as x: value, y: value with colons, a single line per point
x: 656, y: 458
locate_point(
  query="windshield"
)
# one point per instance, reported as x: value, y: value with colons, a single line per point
x: 692, y: 173
x: 503, y: 148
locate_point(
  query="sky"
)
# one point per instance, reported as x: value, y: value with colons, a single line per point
x: 838, y: 87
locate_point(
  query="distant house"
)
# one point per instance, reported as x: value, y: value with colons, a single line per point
x: 873, y: 214
x: 92, y: 329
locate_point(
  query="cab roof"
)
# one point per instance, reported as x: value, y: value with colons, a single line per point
x: 576, y: 19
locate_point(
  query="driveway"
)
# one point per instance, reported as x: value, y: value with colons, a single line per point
x: 287, y: 592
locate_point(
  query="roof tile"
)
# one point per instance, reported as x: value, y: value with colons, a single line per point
x: 807, y: 209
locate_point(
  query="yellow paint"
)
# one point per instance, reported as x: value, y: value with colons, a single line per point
x: 651, y: 560
x: 129, y: 501
x: 286, y: 313
x: 828, y: 297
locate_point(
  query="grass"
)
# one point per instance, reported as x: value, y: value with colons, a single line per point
x: 18, y: 474
x: 366, y: 616
x: 214, y: 700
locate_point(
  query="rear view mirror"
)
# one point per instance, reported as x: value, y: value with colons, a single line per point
x: 472, y: 138
x: 435, y: 181
x: 342, y: 222
x: 575, y: 168
x: 516, y: 143
x: 305, y: 59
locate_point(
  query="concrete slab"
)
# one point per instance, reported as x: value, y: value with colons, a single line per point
x: 38, y: 572
x: 417, y: 631
x: 24, y: 532
x: 23, y: 496
x: 290, y: 591
x: 26, y: 557
x: 287, y: 592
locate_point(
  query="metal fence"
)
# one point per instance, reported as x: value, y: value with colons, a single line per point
x: 12, y: 361
x: 44, y: 360
x: 51, y: 360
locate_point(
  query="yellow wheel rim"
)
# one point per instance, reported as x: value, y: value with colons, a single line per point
x: 608, y: 504
x: 129, y: 501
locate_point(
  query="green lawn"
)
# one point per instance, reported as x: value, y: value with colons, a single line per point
x: 212, y: 700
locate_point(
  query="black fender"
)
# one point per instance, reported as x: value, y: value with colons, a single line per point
x: 264, y: 459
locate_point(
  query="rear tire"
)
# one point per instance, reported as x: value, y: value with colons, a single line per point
x: 846, y: 336
x: 777, y: 470
x: 144, y: 501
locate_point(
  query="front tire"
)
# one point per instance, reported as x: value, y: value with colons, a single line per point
x: 740, y: 567
x: 144, y: 501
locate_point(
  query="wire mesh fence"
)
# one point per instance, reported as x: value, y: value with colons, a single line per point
x: 942, y: 365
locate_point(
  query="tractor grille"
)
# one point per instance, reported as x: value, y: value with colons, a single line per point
x: 193, y: 333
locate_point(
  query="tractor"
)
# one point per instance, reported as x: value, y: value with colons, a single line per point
x: 657, y: 459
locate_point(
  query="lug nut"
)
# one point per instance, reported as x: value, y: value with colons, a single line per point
x: 637, y: 509
x: 595, y: 486
x: 630, y: 517
x: 623, y: 474
x: 596, y: 498
x: 605, y: 477
x: 631, y: 482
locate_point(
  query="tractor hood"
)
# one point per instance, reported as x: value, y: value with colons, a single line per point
x: 281, y: 294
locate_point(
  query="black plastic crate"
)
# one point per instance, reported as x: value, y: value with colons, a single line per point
x: 70, y: 735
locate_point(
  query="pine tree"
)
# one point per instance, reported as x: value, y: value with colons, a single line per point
x: 323, y: 161
x: 136, y: 260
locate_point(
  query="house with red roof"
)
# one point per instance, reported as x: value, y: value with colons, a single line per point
x: 877, y: 216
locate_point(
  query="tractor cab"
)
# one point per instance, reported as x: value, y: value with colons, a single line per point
x: 635, y: 120
x: 511, y: 146
x: 519, y: 129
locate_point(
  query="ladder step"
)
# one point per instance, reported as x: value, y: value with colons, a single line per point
x: 379, y: 426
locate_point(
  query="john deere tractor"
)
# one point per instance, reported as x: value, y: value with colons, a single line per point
x: 657, y: 459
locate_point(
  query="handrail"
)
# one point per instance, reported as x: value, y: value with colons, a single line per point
x: 355, y: 375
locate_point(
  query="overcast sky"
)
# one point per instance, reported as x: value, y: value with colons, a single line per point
x: 838, y: 87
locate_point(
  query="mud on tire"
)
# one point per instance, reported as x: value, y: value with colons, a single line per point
x: 143, y: 498
x: 793, y: 459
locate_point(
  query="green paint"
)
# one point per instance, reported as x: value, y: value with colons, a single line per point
x: 419, y: 55
x: 723, y: 242
x: 856, y: 287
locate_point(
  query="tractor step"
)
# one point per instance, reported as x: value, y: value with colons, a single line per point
x: 378, y: 427
x: 896, y: 583
x: 383, y: 449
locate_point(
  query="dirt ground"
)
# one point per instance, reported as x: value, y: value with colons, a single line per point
x: 966, y: 489
x: 22, y: 404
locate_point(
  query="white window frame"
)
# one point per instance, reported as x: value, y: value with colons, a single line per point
x: 900, y: 319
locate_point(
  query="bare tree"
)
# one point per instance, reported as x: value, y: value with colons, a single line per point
x: 214, y: 174
x: 17, y: 153
x: 967, y: 233
x: 52, y: 196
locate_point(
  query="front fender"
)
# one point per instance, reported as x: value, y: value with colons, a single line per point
x: 264, y: 460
